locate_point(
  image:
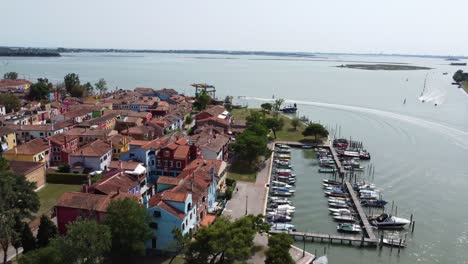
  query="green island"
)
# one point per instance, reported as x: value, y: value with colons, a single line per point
x: 383, y: 67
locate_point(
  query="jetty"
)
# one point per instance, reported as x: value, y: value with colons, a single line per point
x: 362, y: 215
x: 328, y: 238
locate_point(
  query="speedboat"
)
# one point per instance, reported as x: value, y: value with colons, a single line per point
x: 339, y: 210
x: 351, y: 153
x: 285, y: 207
x: 344, y: 218
x: 373, y: 203
x: 288, y: 174
x: 279, y: 200
x: 282, y: 193
x: 274, y: 211
x: 326, y: 170
x: 331, y: 182
x: 394, y: 242
x: 283, y: 150
x: 364, y: 155
x: 283, y: 189
x: 388, y: 221
x: 351, y: 228
x: 283, y: 156
x: 279, y: 219
x: 338, y: 205
x: 282, y: 184
x: 282, y: 227
x: 282, y: 146
x: 287, y: 166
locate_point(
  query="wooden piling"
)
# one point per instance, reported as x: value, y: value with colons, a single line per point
x: 411, y: 220
x: 396, y: 210
x: 412, y: 227
x: 381, y: 240
x: 399, y: 246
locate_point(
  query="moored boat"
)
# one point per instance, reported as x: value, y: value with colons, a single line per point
x: 385, y: 221
x: 350, y: 228
x: 282, y: 227
x: 344, y: 218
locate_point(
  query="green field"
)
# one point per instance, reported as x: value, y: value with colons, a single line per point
x: 242, y: 172
x: 49, y: 195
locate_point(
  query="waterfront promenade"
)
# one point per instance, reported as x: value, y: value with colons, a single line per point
x: 253, y: 197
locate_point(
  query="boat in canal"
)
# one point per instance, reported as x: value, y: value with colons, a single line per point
x: 339, y: 210
x: 394, y: 242
x: 344, y: 218
x: 338, y: 205
x: 326, y: 170
x: 283, y: 151
x: 331, y: 182
x: 283, y: 170
x: 282, y: 227
x: 282, y: 184
x: 282, y: 193
x: 364, y: 155
x: 373, y: 203
x: 279, y: 218
x: 386, y: 221
x: 283, y: 163
x: 348, y: 228
x: 283, y: 189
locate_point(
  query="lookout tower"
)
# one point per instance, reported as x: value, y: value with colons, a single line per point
x: 209, y: 89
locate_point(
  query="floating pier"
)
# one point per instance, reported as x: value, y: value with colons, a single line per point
x: 362, y: 215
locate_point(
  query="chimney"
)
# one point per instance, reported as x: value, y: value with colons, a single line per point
x: 89, y: 180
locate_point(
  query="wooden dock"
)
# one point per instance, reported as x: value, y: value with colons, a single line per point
x: 362, y: 215
x: 328, y: 238
x: 340, y: 167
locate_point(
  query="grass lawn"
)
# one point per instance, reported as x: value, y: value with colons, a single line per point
x: 465, y: 86
x: 242, y: 172
x: 51, y: 192
x: 242, y: 114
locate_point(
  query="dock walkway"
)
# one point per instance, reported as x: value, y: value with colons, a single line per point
x: 329, y: 238
x: 362, y: 215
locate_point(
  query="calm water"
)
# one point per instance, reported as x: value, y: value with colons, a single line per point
x: 420, y: 151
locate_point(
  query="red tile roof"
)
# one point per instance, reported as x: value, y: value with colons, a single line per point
x: 114, y: 181
x: 174, y: 196
x: 168, y: 180
x: 32, y: 147
x: 94, y: 149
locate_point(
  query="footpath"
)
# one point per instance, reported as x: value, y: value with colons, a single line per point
x: 251, y: 198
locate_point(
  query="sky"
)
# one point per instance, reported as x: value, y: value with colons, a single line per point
x: 356, y: 26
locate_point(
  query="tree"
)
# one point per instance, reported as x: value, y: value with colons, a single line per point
x: 128, y: 223
x: 16, y: 238
x: 71, y: 80
x: 78, y: 91
x: 266, y: 107
x: 10, y: 101
x: 274, y: 124
x: 39, y: 91
x: 46, y: 255
x: 202, y: 100
x: 278, y: 249
x: 27, y: 239
x: 458, y: 76
x: 188, y: 120
x: 295, y: 122
x: 101, y: 86
x: 181, y: 242
x: 316, y: 130
x: 88, y: 87
x: 249, y: 146
x: 228, y: 102
x: 277, y: 104
x: 10, y: 76
x: 225, y: 240
x: 17, y: 201
x: 86, y: 242
x: 47, y: 231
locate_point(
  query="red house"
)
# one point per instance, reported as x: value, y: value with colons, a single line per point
x: 72, y: 205
x: 61, y: 147
x: 173, y: 157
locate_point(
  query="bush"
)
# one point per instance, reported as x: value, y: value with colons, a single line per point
x: 64, y: 168
x: 230, y: 182
x: 66, y: 178
x: 229, y: 193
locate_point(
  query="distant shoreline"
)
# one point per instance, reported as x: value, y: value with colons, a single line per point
x: 383, y: 67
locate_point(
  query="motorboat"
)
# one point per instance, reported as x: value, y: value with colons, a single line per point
x: 288, y: 174
x: 338, y: 205
x: 282, y: 184
x: 364, y: 155
x: 283, y: 151
x: 283, y: 156
x: 278, y: 166
x: 344, y: 218
x: 339, y: 210
x: 335, y: 193
x: 394, y: 242
x: 351, y: 168
x: 282, y: 170
x: 332, y: 182
x: 326, y: 170
x: 279, y: 219
x: 283, y: 189
x: 282, y: 227
x: 290, y: 181
x: 351, y: 153
x: 282, y: 193
x: 373, y: 203
x: 307, y: 146
x: 279, y: 162
x: 388, y: 221
x: 335, y: 200
x: 349, y: 228
x: 274, y: 211
x: 282, y: 146
x: 279, y: 200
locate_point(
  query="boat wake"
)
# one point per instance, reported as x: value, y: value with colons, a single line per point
x: 433, y: 94
x: 459, y: 137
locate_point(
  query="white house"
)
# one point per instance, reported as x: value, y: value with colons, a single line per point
x: 94, y: 156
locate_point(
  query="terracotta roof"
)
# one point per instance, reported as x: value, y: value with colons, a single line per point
x: 94, y: 149
x: 172, y: 210
x: 215, y: 110
x: 6, y: 131
x: 90, y: 132
x: 24, y: 167
x: 140, y: 143
x: 181, y: 152
x: 86, y: 201
x: 32, y: 147
x: 138, y: 130
x: 168, y: 180
x: 143, y: 90
x: 126, y: 165
x: 156, y: 143
x: 128, y: 113
x: 79, y: 112
x: 47, y: 127
x: 60, y: 138
x: 167, y: 91
x: 174, y: 196
x: 7, y: 82
x: 115, y: 181
x: 211, y: 141
x: 117, y: 140
x: 213, y: 120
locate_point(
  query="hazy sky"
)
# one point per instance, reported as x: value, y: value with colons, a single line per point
x: 389, y: 26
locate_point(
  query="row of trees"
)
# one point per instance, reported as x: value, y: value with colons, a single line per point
x: 10, y: 75
x: 120, y: 238
x: 72, y: 85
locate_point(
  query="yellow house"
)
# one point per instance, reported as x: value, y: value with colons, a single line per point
x: 7, y: 138
x: 120, y: 143
x: 35, y: 150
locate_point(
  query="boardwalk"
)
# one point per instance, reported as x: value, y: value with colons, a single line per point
x: 328, y: 238
x: 362, y: 215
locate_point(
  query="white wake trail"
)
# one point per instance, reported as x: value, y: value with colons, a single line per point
x: 459, y: 136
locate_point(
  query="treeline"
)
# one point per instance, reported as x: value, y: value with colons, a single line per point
x: 28, y: 52
x: 460, y: 76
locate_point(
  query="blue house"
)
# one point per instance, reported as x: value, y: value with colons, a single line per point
x: 181, y: 202
x: 165, y: 94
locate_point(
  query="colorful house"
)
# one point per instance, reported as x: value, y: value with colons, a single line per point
x: 120, y: 144
x: 7, y: 139
x: 173, y: 157
x: 35, y: 150
x: 61, y: 147
x: 94, y: 156
x: 31, y: 171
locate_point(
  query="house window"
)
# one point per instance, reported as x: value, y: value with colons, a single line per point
x: 183, y: 226
x: 190, y: 216
x: 132, y: 155
x: 171, y: 164
x: 152, y: 162
x: 166, y: 153
x: 157, y: 213
x: 165, y: 163
x: 41, y: 134
x: 178, y: 164
x: 153, y: 225
x: 189, y: 207
x: 159, y: 162
x: 153, y: 243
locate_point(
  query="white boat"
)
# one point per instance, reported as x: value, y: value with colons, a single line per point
x: 339, y: 210
x: 279, y: 200
x: 283, y: 146
x: 338, y: 205
x: 285, y: 207
x: 344, y: 218
x: 279, y: 170
x: 394, y: 242
x: 280, y: 212
x: 282, y: 227
x: 389, y: 221
x: 321, y: 260
x: 283, y: 189
x: 282, y: 184
x: 281, y: 193
x: 350, y: 228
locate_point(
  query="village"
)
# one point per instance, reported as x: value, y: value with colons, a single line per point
x: 168, y: 151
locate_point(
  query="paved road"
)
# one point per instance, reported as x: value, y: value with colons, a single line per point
x: 252, y: 196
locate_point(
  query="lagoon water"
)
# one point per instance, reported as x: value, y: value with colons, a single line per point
x: 419, y: 150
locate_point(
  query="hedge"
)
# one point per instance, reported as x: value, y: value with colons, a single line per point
x: 66, y: 178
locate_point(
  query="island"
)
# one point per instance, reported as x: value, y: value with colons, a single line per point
x: 383, y: 67
x: 28, y: 52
